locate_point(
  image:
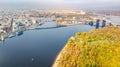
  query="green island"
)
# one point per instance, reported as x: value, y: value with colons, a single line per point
x: 97, y: 48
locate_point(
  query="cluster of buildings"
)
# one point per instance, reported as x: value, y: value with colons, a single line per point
x: 15, y: 20
x: 12, y: 20
x: 71, y: 19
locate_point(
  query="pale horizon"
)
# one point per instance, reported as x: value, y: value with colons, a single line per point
x: 79, y: 4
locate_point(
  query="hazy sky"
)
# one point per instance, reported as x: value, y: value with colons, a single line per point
x: 64, y: 3
x: 58, y: 1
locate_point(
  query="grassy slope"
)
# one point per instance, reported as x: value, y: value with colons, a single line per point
x: 97, y: 48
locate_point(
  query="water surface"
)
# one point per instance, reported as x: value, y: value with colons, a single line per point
x: 37, y: 48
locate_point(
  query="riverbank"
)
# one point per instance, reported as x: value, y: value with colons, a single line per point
x: 98, y: 47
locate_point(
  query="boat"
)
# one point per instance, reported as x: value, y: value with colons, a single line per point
x: 11, y: 35
x: 19, y: 33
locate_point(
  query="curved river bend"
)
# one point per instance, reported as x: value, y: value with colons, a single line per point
x: 37, y: 48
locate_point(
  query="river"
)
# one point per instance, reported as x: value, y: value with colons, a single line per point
x: 115, y: 19
x: 39, y: 47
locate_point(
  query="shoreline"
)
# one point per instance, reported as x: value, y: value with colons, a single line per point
x: 55, y: 63
x: 59, y: 55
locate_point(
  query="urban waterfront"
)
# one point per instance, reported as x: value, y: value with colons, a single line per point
x: 59, y: 33
x: 37, y: 48
x: 40, y: 46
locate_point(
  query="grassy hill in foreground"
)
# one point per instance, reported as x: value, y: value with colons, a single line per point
x: 97, y: 48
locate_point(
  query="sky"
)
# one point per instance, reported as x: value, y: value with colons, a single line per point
x: 58, y: 1
x: 91, y: 4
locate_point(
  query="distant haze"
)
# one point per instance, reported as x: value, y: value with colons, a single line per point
x: 76, y: 4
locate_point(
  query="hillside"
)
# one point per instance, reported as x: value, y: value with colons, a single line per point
x: 97, y: 48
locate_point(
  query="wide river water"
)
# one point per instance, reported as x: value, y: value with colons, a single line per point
x: 39, y: 47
